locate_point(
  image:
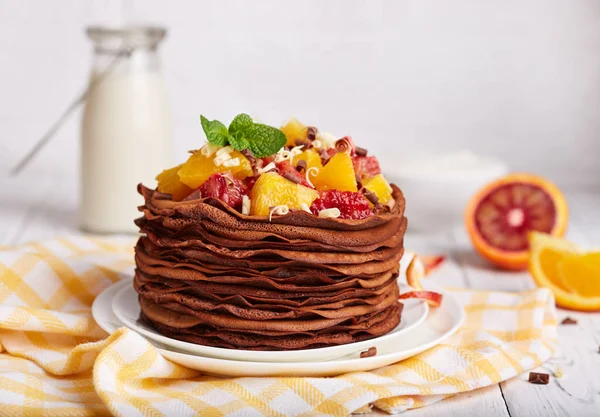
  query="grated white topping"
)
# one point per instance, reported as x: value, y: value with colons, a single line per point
x: 267, y: 168
x: 209, y: 149
x: 317, y: 144
x: 222, y: 155
x: 305, y: 207
x: 284, y: 155
x: 245, y: 205
x: 331, y: 212
x: 279, y: 211
x: 327, y: 139
x: 309, y: 173
x: 235, y: 162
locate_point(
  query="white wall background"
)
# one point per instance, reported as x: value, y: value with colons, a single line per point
x: 517, y: 79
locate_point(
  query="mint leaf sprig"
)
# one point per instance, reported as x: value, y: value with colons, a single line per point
x: 243, y: 133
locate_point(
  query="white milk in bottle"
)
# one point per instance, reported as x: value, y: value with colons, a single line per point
x: 126, y: 131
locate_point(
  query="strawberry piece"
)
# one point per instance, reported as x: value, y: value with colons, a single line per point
x: 366, y: 166
x: 250, y: 181
x: 228, y: 190
x: 351, y: 205
x: 289, y: 172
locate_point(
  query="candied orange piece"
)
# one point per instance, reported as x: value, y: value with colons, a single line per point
x: 198, y: 168
x: 337, y: 174
x: 380, y: 187
x: 293, y: 130
x: 271, y: 190
x: 169, y: 182
x: 311, y: 157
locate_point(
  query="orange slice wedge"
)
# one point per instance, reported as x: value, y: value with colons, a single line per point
x: 570, y: 273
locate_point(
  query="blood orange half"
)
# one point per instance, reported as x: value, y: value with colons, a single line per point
x: 500, y: 216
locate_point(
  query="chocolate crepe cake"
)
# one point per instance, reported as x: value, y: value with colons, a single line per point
x: 295, y: 248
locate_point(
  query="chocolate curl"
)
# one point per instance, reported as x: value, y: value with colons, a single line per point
x: 301, y: 166
x: 291, y: 177
x: 195, y: 195
x: 311, y: 133
x: 361, y: 151
x: 342, y: 145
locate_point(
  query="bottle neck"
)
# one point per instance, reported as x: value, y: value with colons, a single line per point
x: 124, y: 60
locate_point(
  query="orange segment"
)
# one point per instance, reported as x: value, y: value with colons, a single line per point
x: 272, y: 190
x: 500, y: 216
x: 571, y: 274
x: 196, y: 170
x: 169, y: 182
x: 380, y: 187
x: 337, y: 174
x: 293, y: 130
x: 311, y: 157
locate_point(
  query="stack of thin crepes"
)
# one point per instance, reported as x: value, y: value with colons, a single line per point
x: 209, y: 275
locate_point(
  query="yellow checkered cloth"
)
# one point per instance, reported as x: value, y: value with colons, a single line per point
x: 55, y: 360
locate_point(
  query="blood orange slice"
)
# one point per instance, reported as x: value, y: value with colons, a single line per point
x: 500, y: 216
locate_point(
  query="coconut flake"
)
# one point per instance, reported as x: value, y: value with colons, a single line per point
x: 326, y: 139
x: 330, y: 213
x: 267, y: 168
x: 309, y: 172
x: 235, y: 162
x: 305, y: 207
x: 209, y: 149
x: 245, y: 205
x: 279, y: 211
x: 222, y: 155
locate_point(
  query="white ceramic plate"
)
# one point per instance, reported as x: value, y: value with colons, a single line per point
x: 127, y: 309
x: 440, y: 324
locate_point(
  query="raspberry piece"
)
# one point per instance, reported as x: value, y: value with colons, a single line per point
x: 366, y: 166
x: 285, y: 167
x: 351, y: 205
x: 228, y: 190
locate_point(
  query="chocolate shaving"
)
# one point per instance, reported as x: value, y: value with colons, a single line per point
x: 324, y: 155
x: 302, y: 142
x: 539, y: 378
x: 361, y: 151
x: 342, y: 145
x: 293, y: 178
x: 371, y: 196
x: 301, y: 166
x: 368, y: 353
x: 311, y: 133
x: 358, y: 182
x: 195, y: 195
x: 568, y: 320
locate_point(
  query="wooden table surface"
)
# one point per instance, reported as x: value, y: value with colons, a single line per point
x: 42, y: 208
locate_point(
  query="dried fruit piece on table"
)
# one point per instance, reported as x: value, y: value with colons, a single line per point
x: 434, y: 299
x: 380, y: 187
x: 499, y: 217
x: 169, y: 182
x: 352, y: 205
x: 271, y: 190
x: 198, y: 168
x: 539, y: 378
x: 337, y: 174
x: 569, y: 272
x: 227, y: 189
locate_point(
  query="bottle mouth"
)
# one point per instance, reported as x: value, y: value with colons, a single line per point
x: 116, y: 39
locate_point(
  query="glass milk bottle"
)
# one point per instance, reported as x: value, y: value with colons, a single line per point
x: 126, y: 135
